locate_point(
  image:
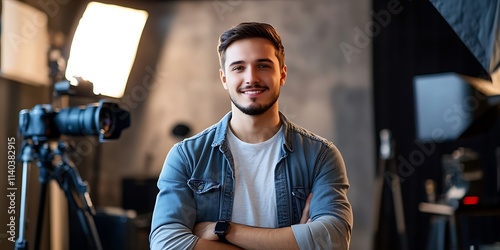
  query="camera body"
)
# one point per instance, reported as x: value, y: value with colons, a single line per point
x: 104, y: 119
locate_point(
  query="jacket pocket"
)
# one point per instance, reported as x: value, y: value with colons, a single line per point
x: 206, y: 194
x: 202, y: 186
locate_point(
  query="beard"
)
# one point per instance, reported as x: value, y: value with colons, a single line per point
x: 255, y: 108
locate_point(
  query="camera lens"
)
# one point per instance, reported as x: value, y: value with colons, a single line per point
x: 106, y: 121
x: 78, y: 121
x: 103, y: 119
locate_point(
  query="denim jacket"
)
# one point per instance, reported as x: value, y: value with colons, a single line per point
x: 197, y: 184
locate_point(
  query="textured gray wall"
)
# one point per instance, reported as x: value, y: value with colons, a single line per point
x: 326, y: 92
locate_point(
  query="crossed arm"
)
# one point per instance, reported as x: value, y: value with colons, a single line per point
x: 246, y: 237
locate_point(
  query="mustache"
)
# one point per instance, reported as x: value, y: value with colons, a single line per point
x: 253, y: 86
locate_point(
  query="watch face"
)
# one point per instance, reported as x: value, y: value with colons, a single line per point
x: 221, y: 227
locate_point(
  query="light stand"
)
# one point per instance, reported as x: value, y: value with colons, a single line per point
x: 387, y: 169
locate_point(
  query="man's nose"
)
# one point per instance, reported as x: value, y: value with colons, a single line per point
x: 252, y: 76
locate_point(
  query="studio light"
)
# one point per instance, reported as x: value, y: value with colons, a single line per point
x: 24, y: 41
x: 104, y: 47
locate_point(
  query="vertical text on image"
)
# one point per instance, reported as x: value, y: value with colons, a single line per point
x: 11, y: 188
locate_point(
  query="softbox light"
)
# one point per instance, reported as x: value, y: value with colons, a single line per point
x: 450, y: 106
x: 104, y: 47
x: 24, y: 43
x: 477, y: 25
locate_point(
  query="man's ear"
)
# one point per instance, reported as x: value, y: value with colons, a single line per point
x: 283, y: 75
x: 223, y: 78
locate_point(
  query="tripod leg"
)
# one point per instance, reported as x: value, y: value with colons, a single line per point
x: 398, y: 207
x: 79, y: 201
x: 88, y: 226
x: 28, y: 155
x: 379, y: 187
x: 86, y: 220
x: 21, y: 241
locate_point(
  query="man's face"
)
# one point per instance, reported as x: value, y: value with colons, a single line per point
x: 252, y: 75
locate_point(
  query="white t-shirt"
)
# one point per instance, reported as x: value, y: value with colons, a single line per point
x: 255, y: 194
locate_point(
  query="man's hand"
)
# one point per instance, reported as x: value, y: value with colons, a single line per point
x: 305, y: 213
x: 205, y: 230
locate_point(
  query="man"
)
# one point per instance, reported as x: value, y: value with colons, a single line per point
x: 254, y: 180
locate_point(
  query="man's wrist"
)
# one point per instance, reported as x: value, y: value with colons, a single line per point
x: 221, y: 230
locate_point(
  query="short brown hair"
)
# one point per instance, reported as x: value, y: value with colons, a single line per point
x: 250, y: 30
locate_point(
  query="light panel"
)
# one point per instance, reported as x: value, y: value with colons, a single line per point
x: 105, y: 45
x: 24, y: 42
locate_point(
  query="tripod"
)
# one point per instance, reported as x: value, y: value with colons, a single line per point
x: 387, y: 166
x: 54, y: 164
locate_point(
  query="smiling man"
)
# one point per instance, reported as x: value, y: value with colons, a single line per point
x: 254, y: 180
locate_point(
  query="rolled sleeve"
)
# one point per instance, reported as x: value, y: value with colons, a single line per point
x: 330, y: 209
x: 174, y: 214
x: 172, y: 236
x: 326, y: 232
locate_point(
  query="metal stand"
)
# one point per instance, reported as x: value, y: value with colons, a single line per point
x: 387, y: 166
x: 443, y: 216
x: 56, y: 165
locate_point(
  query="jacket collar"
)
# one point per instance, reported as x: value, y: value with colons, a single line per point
x: 223, y: 124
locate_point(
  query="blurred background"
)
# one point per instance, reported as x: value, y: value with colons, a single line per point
x: 405, y: 89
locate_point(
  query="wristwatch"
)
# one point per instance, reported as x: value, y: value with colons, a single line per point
x: 221, y: 229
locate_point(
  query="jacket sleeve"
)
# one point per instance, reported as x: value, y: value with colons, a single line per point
x: 326, y: 232
x: 330, y: 210
x: 174, y: 214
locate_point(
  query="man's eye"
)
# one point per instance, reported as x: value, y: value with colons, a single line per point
x: 264, y: 66
x: 237, y: 68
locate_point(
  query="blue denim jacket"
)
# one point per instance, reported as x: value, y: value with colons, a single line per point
x: 197, y: 183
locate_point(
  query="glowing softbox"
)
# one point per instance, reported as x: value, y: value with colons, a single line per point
x: 104, y: 47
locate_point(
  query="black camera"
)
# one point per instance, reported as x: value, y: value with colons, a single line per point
x: 104, y: 119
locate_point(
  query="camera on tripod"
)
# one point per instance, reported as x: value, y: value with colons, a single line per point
x: 104, y: 119
x: 44, y: 123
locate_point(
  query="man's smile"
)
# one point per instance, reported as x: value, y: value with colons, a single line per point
x: 252, y: 91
